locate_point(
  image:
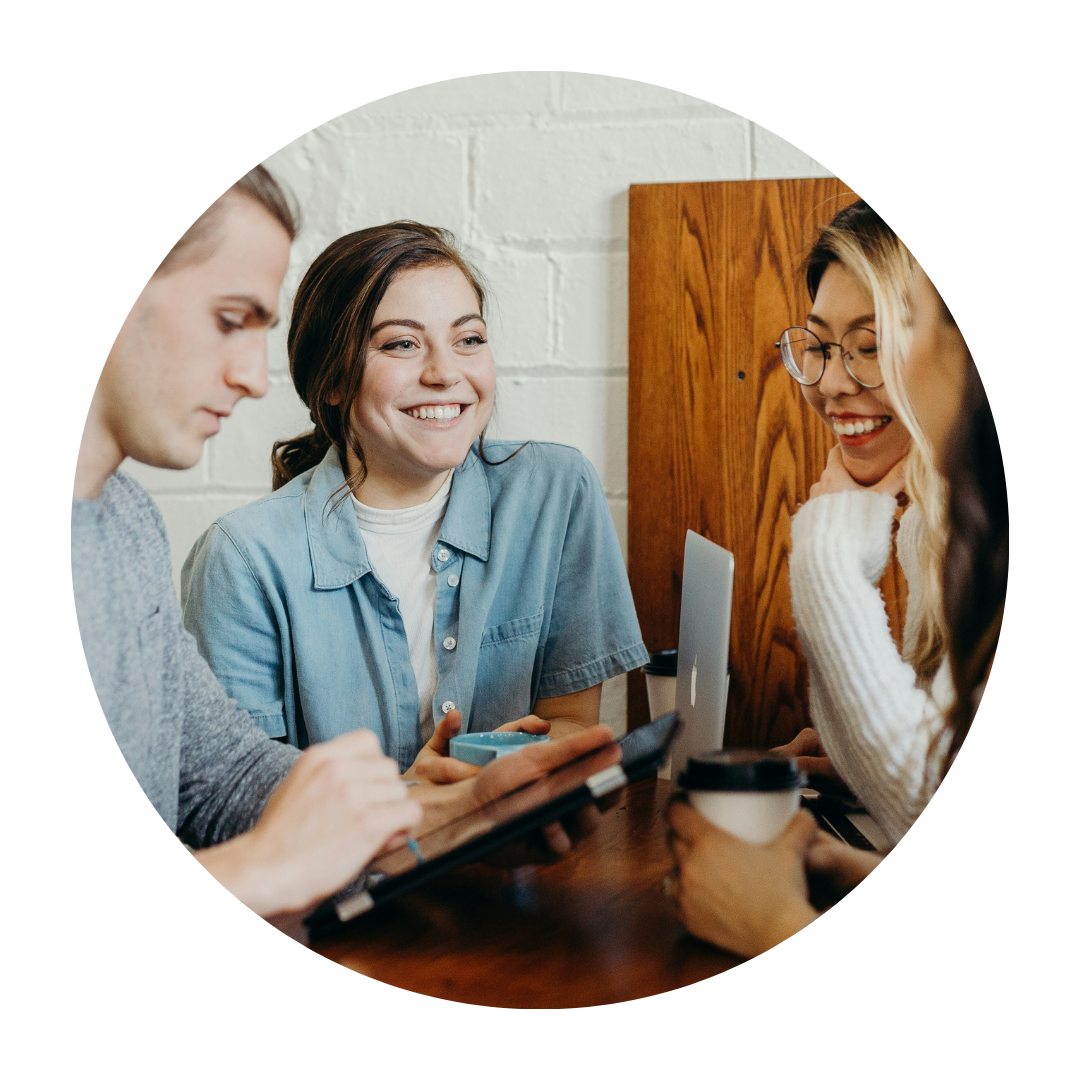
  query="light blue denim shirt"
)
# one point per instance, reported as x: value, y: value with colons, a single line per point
x: 532, y: 591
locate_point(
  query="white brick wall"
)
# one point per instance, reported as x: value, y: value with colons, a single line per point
x: 531, y: 171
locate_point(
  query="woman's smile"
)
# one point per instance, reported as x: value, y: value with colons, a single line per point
x: 856, y: 429
x: 442, y: 412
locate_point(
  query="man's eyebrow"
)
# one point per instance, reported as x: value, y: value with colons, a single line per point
x: 397, y: 322
x: 260, y: 313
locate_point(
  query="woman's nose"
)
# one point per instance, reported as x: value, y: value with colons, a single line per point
x: 835, y: 380
x: 441, y: 368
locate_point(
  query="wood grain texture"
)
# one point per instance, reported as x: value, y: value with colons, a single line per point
x: 593, y: 929
x: 720, y: 438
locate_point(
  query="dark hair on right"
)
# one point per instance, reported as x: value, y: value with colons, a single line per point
x: 976, y: 567
x: 199, y: 241
x: 331, y: 324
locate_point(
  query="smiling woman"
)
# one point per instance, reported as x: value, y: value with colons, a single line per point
x: 399, y: 578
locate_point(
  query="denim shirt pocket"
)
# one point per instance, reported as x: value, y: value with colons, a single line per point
x: 504, y: 674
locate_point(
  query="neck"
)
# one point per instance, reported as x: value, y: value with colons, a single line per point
x: 384, y: 490
x: 100, y: 454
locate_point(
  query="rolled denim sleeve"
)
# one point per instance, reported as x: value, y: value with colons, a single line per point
x: 236, y: 627
x: 593, y: 634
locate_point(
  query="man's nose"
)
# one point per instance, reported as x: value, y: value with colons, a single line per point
x: 247, y: 370
x: 835, y: 380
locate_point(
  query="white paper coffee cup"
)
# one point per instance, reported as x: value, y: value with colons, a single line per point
x: 752, y: 794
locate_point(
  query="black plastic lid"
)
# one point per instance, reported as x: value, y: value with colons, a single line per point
x: 664, y: 662
x: 741, y: 770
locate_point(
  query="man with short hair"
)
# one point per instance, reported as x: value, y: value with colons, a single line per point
x: 280, y: 829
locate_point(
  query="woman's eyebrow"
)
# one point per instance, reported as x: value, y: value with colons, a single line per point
x: 466, y: 318
x: 398, y: 322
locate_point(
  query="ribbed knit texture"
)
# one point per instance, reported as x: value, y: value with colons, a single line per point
x: 203, y: 763
x: 876, y: 723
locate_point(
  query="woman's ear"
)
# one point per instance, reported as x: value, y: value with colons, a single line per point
x: 333, y: 398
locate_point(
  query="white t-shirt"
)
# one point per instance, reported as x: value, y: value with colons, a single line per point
x: 399, y: 544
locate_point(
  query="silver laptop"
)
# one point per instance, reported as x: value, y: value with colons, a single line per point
x: 704, y: 635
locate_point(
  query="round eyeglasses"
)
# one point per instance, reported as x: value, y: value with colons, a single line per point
x: 805, y: 355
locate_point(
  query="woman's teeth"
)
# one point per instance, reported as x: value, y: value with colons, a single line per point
x: 860, y: 427
x: 436, y: 412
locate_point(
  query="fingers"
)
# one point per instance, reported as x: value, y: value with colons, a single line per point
x: 445, y: 770
x: 359, y: 743
x: 816, y: 766
x: 799, y: 834
x: 893, y: 481
x: 806, y: 743
x: 550, y: 755
x: 687, y: 824
x: 557, y: 840
x: 445, y: 730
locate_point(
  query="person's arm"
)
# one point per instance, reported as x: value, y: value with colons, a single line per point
x: 341, y: 804
x: 231, y: 617
x: 742, y: 897
x: 877, y: 726
x: 592, y: 633
x: 570, y: 713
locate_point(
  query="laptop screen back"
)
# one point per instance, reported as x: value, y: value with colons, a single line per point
x: 704, y: 633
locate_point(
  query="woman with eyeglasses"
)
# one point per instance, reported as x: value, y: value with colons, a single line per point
x: 891, y: 731
x: 878, y: 714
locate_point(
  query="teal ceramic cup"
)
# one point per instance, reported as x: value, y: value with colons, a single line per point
x: 481, y: 747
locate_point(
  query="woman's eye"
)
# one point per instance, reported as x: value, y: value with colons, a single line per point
x: 228, y: 323
x: 404, y: 345
x: 474, y: 340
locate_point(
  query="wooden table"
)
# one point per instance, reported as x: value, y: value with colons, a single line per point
x: 592, y: 929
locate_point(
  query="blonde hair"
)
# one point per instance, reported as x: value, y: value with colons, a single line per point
x: 866, y: 247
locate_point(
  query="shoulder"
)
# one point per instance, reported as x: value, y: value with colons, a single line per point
x: 548, y: 464
x: 269, y: 517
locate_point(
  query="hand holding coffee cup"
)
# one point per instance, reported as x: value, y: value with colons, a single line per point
x: 752, y: 794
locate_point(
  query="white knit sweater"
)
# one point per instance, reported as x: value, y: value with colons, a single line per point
x: 875, y: 720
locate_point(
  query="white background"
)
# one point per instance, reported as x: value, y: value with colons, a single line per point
x: 958, y: 956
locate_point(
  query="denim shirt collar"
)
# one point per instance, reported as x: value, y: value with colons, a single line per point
x: 338, y: 553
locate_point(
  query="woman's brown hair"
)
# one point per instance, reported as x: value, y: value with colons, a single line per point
x: 331, y: 325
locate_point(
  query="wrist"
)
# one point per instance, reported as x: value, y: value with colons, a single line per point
x: 253, y: 878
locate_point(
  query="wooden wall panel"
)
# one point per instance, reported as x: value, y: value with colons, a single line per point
x: 720, y: 438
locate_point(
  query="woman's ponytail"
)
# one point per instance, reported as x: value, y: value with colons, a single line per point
x: 291, y: 457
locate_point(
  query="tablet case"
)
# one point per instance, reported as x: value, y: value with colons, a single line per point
x: 643, y: 752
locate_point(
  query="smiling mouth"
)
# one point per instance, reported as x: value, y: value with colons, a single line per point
x: 865, y: 426
x: 435, y: 412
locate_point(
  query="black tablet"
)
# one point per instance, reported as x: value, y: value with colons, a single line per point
x: 468, y: 839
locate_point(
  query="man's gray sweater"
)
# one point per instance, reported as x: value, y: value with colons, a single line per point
x: 204, y: 764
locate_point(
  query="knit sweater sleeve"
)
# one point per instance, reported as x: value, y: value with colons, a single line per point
x: 877, y: 726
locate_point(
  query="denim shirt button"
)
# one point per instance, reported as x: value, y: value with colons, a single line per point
x: 447, y: 706
x: 452, y: 580
x: 449, y: 643
x: 442, y: 555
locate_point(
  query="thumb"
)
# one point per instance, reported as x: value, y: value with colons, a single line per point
x: 445, y: 730
x: 799, y: 834
x: 892, y: 483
